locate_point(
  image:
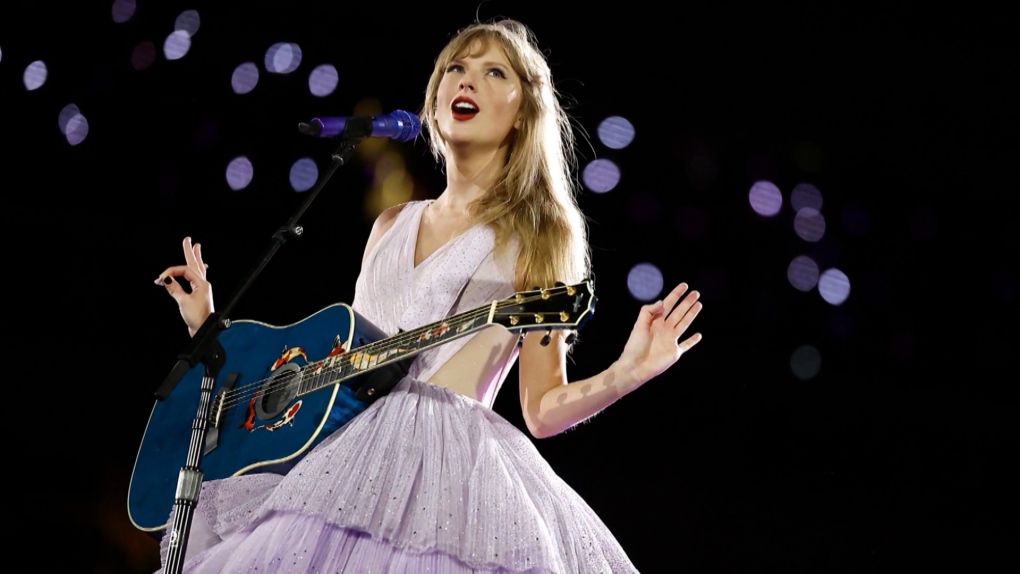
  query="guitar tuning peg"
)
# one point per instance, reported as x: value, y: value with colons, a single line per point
x: 571, y: 337
x: 547, y: 338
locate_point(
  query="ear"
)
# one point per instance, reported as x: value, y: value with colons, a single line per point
x: 517, y: 123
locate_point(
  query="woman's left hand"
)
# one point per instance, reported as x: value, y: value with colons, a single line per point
x: 654, y: 343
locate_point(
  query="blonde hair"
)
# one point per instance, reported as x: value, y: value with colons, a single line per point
x: 534, y: 194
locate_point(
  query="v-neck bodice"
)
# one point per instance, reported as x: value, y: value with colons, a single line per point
x: 462, y: 274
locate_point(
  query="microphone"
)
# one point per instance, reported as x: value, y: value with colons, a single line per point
x: 399, y: 125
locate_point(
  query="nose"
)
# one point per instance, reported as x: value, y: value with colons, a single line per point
x: 466, y: 83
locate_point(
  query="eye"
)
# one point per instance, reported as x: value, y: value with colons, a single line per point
x: 454, y: 68
x: 496, y: 72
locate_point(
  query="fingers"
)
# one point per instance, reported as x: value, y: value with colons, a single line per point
x: 674, y: 296
x: 682, y: 312
x: 193, y: 256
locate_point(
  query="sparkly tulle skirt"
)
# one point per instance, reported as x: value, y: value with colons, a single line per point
x: 424, y: 480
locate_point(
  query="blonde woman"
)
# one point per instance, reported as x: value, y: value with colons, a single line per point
x: 428, y: 478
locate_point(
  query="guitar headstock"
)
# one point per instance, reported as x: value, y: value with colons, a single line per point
x: 559, y: 307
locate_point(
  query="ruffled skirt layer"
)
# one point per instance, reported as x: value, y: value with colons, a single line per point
x: 425, y: 480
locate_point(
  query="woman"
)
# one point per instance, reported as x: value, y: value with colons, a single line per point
x: 429, y: 478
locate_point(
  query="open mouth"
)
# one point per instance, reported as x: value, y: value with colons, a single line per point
x: 463, y: 109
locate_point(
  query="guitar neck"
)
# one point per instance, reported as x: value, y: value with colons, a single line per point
x: 351, y: 363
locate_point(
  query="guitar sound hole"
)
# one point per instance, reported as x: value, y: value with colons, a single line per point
x: 278, y: 391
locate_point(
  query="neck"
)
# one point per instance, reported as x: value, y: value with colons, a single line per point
x: 469, y: 175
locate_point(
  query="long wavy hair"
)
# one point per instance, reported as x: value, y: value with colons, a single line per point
x: 535, y: 195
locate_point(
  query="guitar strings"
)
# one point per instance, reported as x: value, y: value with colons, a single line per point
x: 246, y: 392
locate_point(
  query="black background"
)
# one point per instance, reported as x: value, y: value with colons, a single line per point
x: 895, y: 456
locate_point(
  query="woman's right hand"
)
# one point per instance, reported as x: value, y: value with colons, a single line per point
x: 196, y: 303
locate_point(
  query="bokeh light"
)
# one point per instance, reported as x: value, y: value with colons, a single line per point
x: 303, y: 174
x: 855, y: 219
x: 805, y: 195
x: 834, y: 286
x: 601, y: 175
x: 73, y: 124
x: 323, y: 80
x: 245, y: 78
x: 122, y: 10
x: 802, y: 273
x: 169, y: 180
x: 283, y: 58
x: 35, y: 75
x: 143, y: 55
x: 239, y: 173
x: 176, y: 45
x: 691, y: 222
x: 188, y: 21
x: 644, y: 281
x: 701, y: 170
x: 805, y: 362
x: 644, y: 207
x: 765, y: 198
x: 616, y: 132
x: 809, y: 224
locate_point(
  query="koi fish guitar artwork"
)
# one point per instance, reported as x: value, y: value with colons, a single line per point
x: 281, y: 390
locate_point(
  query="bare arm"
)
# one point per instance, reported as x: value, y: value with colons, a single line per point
x: 552, y: 405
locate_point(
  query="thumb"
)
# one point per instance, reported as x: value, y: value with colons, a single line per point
x: 650, y: 312
x: 172, y: 287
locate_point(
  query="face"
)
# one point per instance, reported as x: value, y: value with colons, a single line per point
x: 479, y: 98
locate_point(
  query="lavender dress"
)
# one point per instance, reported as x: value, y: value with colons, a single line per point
x: 424, y: 480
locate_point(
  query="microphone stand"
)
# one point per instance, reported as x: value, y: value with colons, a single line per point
x: 205, y: 348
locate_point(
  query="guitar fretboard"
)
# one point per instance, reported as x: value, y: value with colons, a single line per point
x: 344, y: 364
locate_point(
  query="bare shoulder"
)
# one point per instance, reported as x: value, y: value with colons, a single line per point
x: 383, y: 223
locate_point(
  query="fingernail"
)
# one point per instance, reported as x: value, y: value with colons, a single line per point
x: 168, y: 280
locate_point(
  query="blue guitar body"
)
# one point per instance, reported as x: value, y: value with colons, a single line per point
x: 256, y: 432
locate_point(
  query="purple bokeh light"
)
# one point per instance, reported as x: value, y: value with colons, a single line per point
x: 765, y: 198
x: 601, y: 175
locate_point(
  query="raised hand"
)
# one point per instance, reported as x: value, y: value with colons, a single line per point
x: 654, y: 343
x: 196, y: 302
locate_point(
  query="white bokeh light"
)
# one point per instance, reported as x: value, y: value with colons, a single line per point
x: 188, y: 21
x: 239, y: 173
x: 303, y: 174
x: 805, y: 195
x: 616, y: 132
x: 35, y: 75
x: 834, y: 286
x: 805, y: 362
x: 644, y: 281
x: 802, y: 273
x: 245, y: 78
x: 283, y: 58
x: 323, y: 80
x: 73, y: 124
x: 809, y: 224
x: 176, y: 45
x: 601, y: 175
x: 765, y: 198
x: 122, y: 10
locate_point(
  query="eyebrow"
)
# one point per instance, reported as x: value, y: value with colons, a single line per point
x: 484, y: 64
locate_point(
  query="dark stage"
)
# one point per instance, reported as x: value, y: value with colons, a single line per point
x: 838, y: 183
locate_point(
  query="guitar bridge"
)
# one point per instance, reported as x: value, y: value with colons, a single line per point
x: 212, y: 432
